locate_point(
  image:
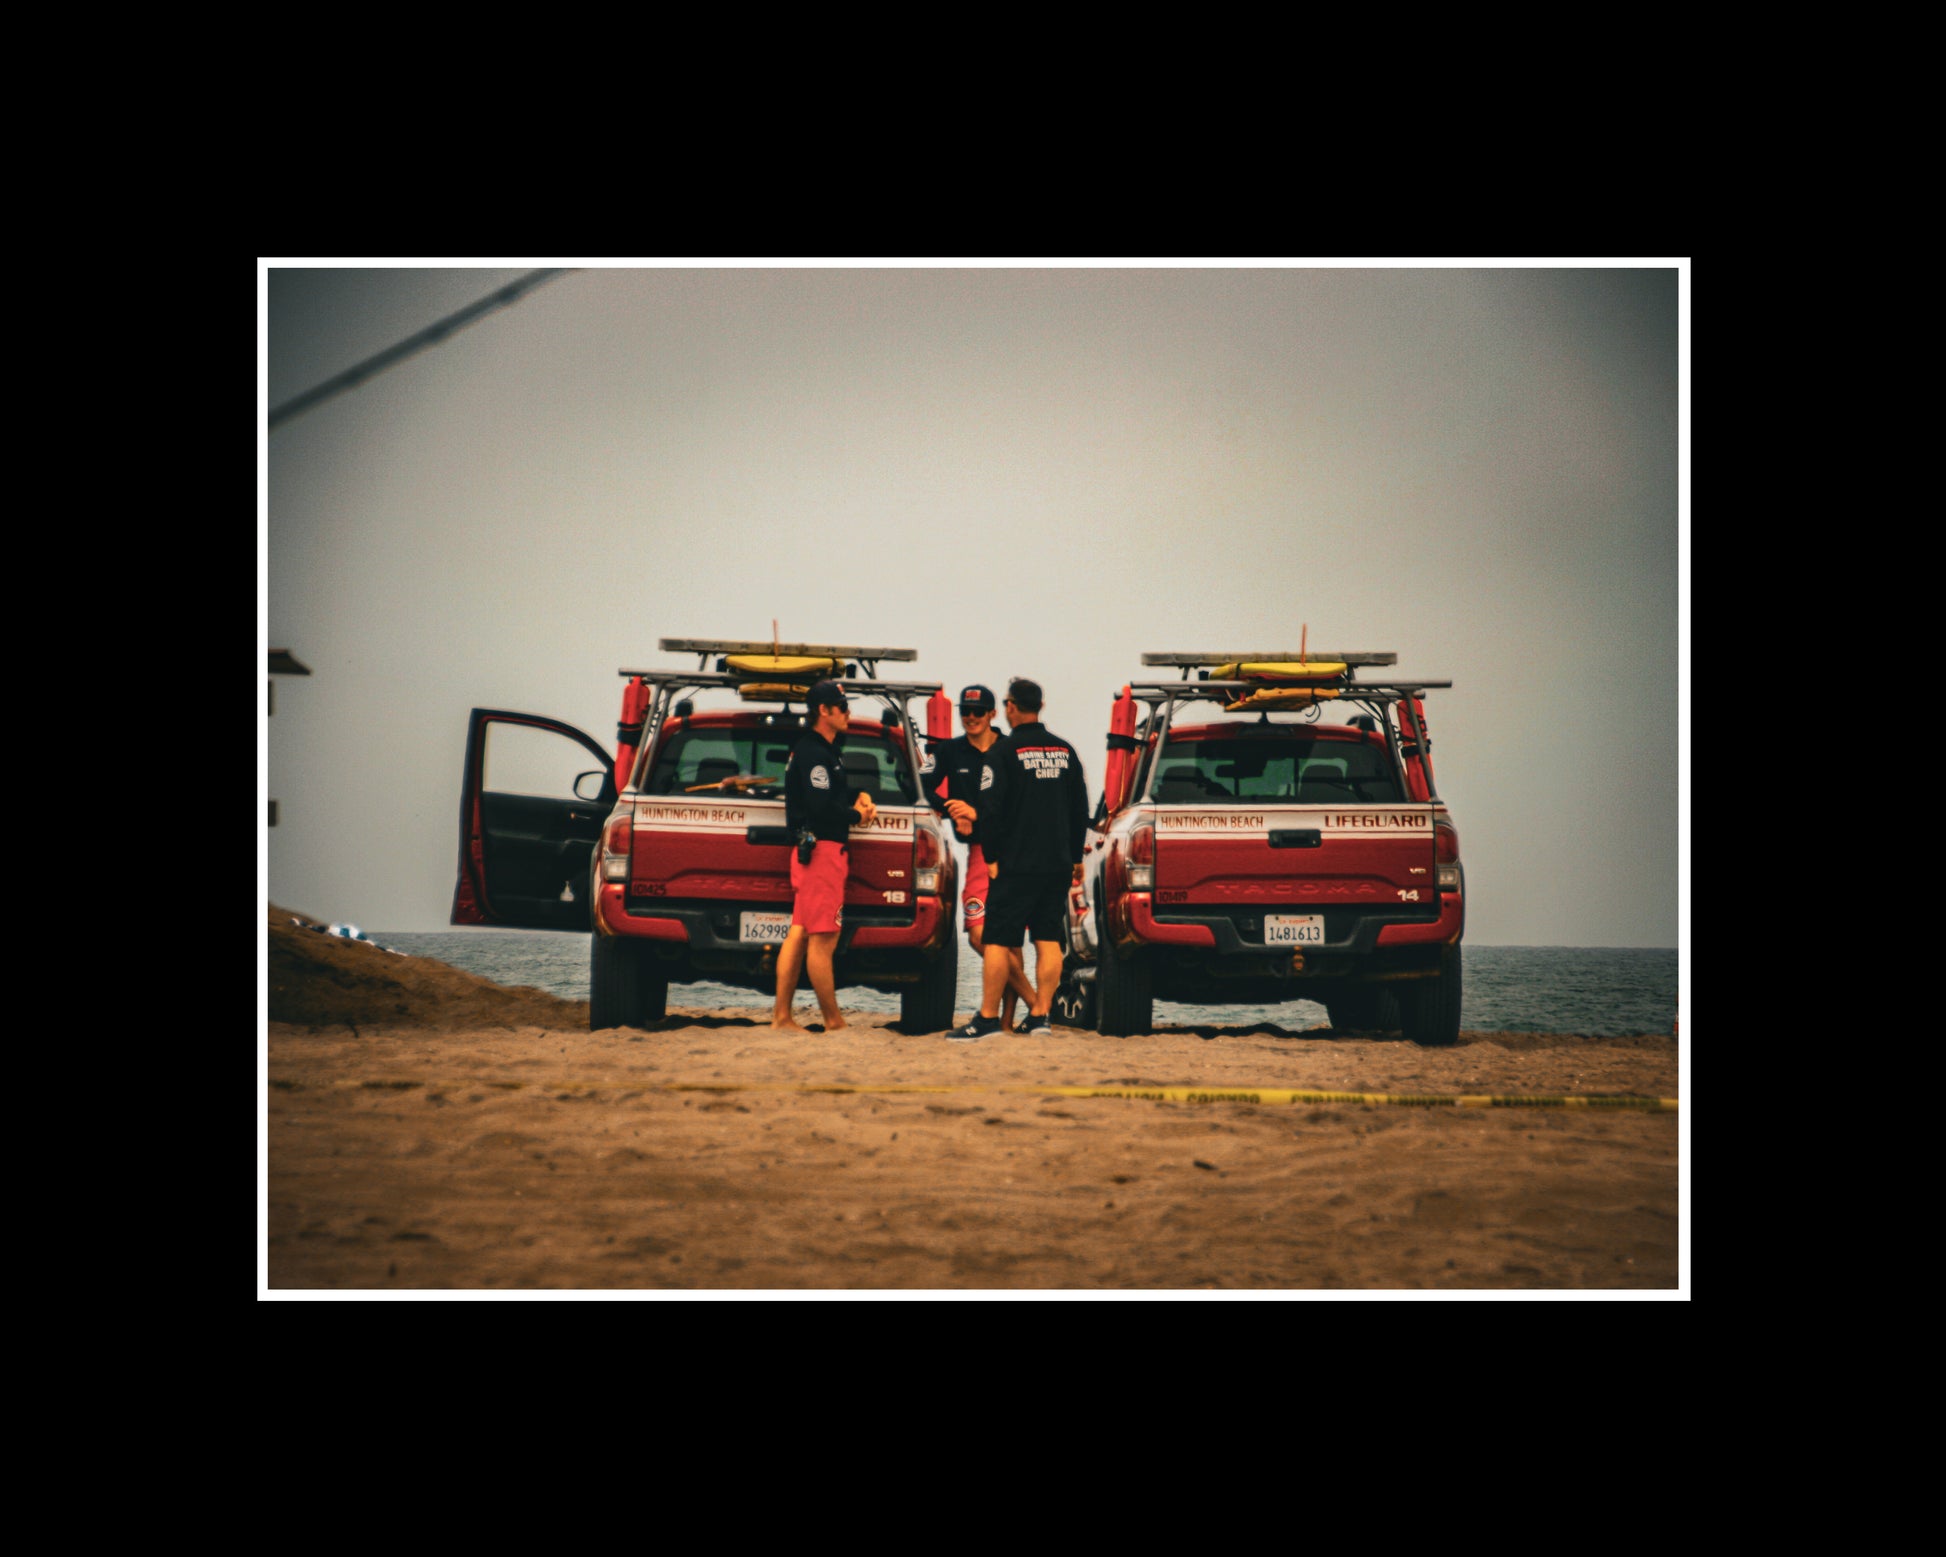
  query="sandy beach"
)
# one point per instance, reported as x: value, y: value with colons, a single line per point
x: 430, y: 1130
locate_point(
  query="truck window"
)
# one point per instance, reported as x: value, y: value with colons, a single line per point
x: 694, y: 757
x: 875, y: 765
x: 1295, y: 771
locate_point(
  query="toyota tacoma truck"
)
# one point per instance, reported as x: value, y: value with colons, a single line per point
x: 672, y: 848
x: 1256, y: 852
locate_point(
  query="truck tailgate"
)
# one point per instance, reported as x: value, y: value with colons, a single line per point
x: 1299, y: 854
x: 700, y: 850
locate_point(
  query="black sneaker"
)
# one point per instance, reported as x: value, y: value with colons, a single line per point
x: 979, y: 1027
x: 1039, y: 1027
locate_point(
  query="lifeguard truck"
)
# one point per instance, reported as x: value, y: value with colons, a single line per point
x: 673, y: 849
x: 1259, y: 851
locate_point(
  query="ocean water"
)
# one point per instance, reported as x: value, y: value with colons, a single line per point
x: 1602, y: 992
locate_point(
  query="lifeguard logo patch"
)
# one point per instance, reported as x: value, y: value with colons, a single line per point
x: 819, y: 778
x: 929, y: 764
x: 986, y: 778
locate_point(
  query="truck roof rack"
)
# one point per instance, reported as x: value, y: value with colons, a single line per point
x: 668, y: 686
x: 868, y: 657
x: 1163, y: 698
x: 851, y: 684
x: 1352, y: 691
x: 1192, y: 657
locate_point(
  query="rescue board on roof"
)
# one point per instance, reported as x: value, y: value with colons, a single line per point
x: 1282, y: 672
x: 1281, y: 697
x: 782, y: 678
x: 792, y: 667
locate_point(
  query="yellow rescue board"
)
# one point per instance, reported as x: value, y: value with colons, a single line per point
x: 795, y: 666
x: 1282, y: 697
x: 774, y: 691
x: 1279, y: 670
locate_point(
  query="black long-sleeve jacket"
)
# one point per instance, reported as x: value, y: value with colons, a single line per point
x: 956, y: 764
x: 817, y: 791
x: 1034, y: 808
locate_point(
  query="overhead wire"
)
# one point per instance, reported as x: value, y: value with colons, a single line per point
x: 432, y: 335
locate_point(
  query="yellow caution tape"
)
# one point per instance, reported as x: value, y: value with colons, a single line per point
x: 1653, y: 1105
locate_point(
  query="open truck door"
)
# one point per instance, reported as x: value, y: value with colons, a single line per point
x: 533, y: 797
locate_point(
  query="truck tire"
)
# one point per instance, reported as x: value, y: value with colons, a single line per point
x: 1364, y: 1008
x: 927, y: 1007
x: 624, y: 988
x: 1124, y: 998
x: 1431, y: 1007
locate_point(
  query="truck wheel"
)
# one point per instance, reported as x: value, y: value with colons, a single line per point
x: 1354, y: 1009
x: 1364, y: 1008
x: 624, y: 988
x: 1431, y: 1007
x: 1124, y: 1001
x: 927, y: 1007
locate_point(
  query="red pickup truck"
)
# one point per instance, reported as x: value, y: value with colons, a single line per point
x: 1262, y: 854
x: 673, y: 850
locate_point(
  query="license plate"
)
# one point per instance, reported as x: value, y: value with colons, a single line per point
x: 1293, y: 929
x: 763, y: 927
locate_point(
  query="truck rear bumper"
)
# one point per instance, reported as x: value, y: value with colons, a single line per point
x: 1215, y: 956
x: 713, y: 928
x: 613, y: 918
x: 1350, y: 932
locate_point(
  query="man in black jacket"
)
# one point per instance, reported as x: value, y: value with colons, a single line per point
x: 1033, y: 815
x: 956, y: 794
x: 818, y: 800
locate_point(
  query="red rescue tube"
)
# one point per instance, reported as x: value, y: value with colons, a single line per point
x: 1121, y: 749
x: 628, y: 733
x: 1416, y: 745
x: 939, y: 729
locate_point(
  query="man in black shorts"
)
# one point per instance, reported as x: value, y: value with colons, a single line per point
x: 956, y: 795
x: 1033, y: 814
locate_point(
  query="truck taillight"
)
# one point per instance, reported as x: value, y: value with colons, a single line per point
x: 1141, y: 859
x: 925, y: 860
x: 615, y: 838
x: 1445, y: 853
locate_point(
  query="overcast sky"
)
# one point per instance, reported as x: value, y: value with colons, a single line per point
x: 1038, y: 470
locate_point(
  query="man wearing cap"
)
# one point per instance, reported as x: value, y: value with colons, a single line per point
x: 957, y: 765
x: 1033, y: 814
x: 818, y: 799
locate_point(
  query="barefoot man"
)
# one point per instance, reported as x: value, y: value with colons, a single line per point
x: 818, y: 800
